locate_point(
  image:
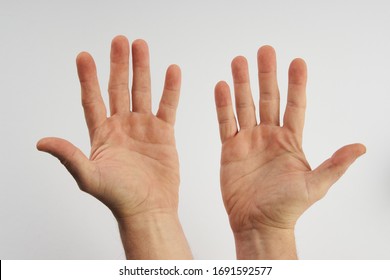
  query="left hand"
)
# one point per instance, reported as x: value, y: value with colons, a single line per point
x: 266, y: 180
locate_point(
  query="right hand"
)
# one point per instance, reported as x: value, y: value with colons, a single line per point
x: 133, y: 166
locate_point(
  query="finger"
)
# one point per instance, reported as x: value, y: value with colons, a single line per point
x: 141, y: 90
x: 324, y: 176
x: 294, y: 116
x: 268, y: 84
x: 170, y: 97
x: 226, y: 119
x: 244, y: 102
x: 118, y: 85
x: 72, y: 158
x: 91, y: 98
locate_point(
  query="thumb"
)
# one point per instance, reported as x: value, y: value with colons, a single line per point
x: 71, y: 157
x: 324, y: 176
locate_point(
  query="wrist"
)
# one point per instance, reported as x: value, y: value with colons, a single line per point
x: 157, y: 235
x: 266, y: 243
x: 148, y: 221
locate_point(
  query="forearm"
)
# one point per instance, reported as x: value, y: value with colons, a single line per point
x: 156, y: 236
x: 266, y: 244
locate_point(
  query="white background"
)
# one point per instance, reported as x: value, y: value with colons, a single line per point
x: 346, y: 44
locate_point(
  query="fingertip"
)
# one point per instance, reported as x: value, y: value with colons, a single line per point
x: 140, y: 53
x: 221, y: 86
x: 297, y: 71
x: 360, y: 149
x: 80, y: 56
x: 222, y: 94
x: 266, y: 49
x: 119, y: 39
x: 298, y: 64
x: 120, y: 50
x: 239, y: 62
x: 83, y: 58
x: 39, y: 145
x: 85, y: 65
x: 348, y: 154
x: 363, y: 148
x: 266, y: 58
x: 173, y: 77
x: 139, y: 44
x: 240, y: 70
x: 174, y: 67
x: 47, y: 144
x: 174, y: 70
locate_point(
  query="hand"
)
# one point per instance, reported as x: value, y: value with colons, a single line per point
x: 133, y: 166
x: 266, y: 181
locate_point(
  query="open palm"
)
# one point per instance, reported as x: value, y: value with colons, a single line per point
x: 266, y: 180
x: 133, y: 165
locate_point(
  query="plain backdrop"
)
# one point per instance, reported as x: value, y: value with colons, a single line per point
x: 43, y: 214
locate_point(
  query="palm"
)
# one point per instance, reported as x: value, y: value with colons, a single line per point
x: 132, y: 160
x: 265, y: 178
x: 133, y: 165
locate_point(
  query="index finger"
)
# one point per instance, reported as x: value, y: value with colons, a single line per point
x: 294, y: 116
x: 91, y: 98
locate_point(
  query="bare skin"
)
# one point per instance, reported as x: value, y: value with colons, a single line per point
x: 133, y: 166
x: 266, y: 181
